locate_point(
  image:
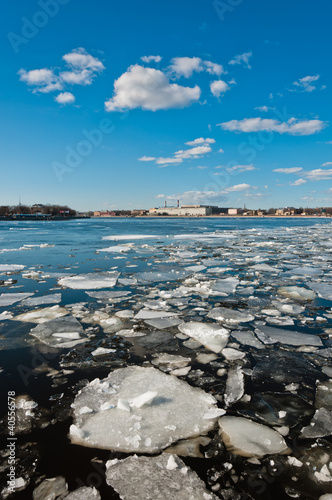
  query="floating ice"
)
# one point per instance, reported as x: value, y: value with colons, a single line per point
x: 60, y: 332
x: 84, y: 493
x: 155, y: 276
x: 269, y: 334
x: 324, y: 395
x: 227, y: 285
x: 54, y: 298
x: 296, y: 292
x: 42, y: 315
x: 230, y: 315
x: 162, y: 323
x: 108, y: 295
x: 90, y: 281
x: 172, y: 360
x: 4, y: 268
x: 100, y: 351
x: 244, y: 437
x: 246, y: 337
x: 124, y: 237
x: 7, y: 299
x: 117, y: 248
x: 234, y: 385
x: 324, y: 290
x: 232, y: 354
x: 148, y: 314
x: 176, y: 412
x: 320, y: 425
x: 212, y: 336
x: 50, y: 489
x: 155, y: 478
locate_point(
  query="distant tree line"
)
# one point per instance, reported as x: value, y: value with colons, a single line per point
x: 56, y: 210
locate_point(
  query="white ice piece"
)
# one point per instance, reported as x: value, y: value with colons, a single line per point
x: 271, y: 334
x: 42, y: 315
x: 296, y: 292
x: 230, y: 315
x: 176, y: 404
x: 4, y: 268
x: 244, y: 437
x: 90, y: 281
x: 7, y: 299
x: 156, y: 478
x: 210, y: 335
x: 234, y: 385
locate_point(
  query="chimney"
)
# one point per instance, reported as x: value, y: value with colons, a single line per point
x: 178, y: 204
x: 165, y: 203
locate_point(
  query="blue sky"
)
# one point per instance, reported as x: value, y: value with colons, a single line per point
x: 109, y: 105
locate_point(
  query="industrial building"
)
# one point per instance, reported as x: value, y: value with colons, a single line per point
x: 185, y: 210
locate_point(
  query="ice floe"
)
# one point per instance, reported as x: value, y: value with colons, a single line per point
x: 210, y: 335
x: 175, y: 412
x: 60, y: 332
x: 90, y: 281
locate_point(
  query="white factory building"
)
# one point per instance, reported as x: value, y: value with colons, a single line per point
x: 184, y: 210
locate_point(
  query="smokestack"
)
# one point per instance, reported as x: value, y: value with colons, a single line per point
x: 165, y: 203
x: 178, y: 203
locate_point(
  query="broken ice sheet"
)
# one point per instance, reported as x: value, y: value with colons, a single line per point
x: 90, y: 281
x: 42, y: 315
x: 155, y: 478
x: 320, y: 425
x: 296, y: 292
x: 176, y: 412
x: 84, y: 493
x: 162, y: 323
x: 124, y: 237
x: 148, y: 314
x: 269, y: 334
x: 63, y: 332
x: 234, y: 385
x: 244, y: 437
x: 53, y: 298
x: 7, y: 299
x: 210, y: 335
x: 5, y: 268
x: 225, y: 315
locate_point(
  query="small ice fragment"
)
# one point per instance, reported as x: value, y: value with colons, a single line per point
x: 171, y: 464
x: 143, y: 399
x: 100, y: 351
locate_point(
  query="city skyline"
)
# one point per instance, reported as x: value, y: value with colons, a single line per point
x: 125, y: 106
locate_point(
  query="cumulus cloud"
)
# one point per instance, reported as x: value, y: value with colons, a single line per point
x: 318, y: 174
x: 83, y: 68
x: 149, y: 89
x: 200, y: 140
x: 80, y: 59
x: 148, y: 59
x: 65, y: 98
x: 242, y: 59
x: 239, y: 187
x: 292, y: 126
x: 264, y: 109
x: 326, y: 164
x: 291, y: 170
x: 147, y: 158
x: 298, y: 182
x: 195, y: 152
x: 305, y: 84
x: 167, y: 161
x: 219, y: 87
x: 186, y: 66
x: 241, y: 168
x: 43, y: 80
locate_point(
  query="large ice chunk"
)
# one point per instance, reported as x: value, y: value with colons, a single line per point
x: 61, y: 332
x: 230, y: 315
x: 269, y: 334
x: 42, y: 315
x: 90, y: 281
x: 84, y: 493
x: 155, y: 478
x: 297, y: 292
x: 4, y: 268
x: 244, y: 437
x: 212, y: 336
x: 7, y: 299
x: 175, y: 412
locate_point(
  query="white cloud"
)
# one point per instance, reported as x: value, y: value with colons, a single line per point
x: 239, y: 187
x: 265, y: 109
x: 84, y: 77
x: 149, y: 89
x: 305, y: 83
x: 195, y: 152
x: 298, y: 182
x: 65, y: 98
x: 318, y: 175
x: 147, y: 158
x: 292, y: 126
x: 242, y: 59
x: 186, y: 66
x: 213, y: 68
x: 221, y: 150
x: 200, y: 140
x: 82, y: 70
x: 148, y: 59
x: 326, y: 164
x: 219, y: 87
x: 80, y: 59
x: 44, y: 80
x: 201, y: 168
x: 291, y: 170
x: 241, y: 168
